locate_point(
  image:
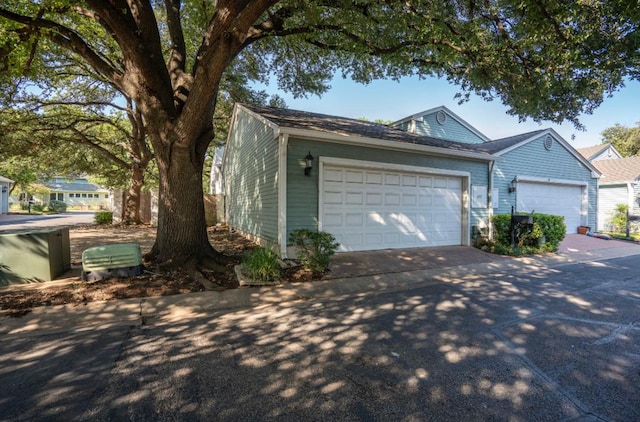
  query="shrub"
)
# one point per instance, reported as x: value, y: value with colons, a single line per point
x: 103, y: 217
x: 314, y: 248
x: 261, y: 264
x: 57, y: 206
x: 544, y: 235
x: 619, y: 218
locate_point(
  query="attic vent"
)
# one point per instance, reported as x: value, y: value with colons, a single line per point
x: 441, y: 117
x: 548, y: 142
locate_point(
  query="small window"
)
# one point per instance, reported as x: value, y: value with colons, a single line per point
x: 548, y: 142
x: 84, y: 195
x: 106, y: 195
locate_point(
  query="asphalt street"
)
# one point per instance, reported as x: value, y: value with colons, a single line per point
x: 37, y: 222
x: 553, y: 344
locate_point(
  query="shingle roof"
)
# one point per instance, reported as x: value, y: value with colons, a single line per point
x: 619, y: 169
x: 498, y: 145
x: 590, y: 152
x: 296, y: 119
x: 74, y: 187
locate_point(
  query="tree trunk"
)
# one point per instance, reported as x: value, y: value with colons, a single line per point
x: 182, y: 232
x: 131, y: 204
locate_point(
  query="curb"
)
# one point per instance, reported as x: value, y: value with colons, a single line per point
x: 169, y: 309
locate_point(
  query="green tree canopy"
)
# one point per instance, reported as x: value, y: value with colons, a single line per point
x: 625, y: 139
x: 546, y: 60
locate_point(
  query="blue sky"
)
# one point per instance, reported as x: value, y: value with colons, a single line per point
x: 390, y: 100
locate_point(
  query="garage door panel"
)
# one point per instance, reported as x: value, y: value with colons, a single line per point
x: 373, y: 178
x: 332, y: 197
x: 409, y: 199
x: 410, y: 181
x: 391, y: 179
x: 390, y: 209
x: 354, y: 198
x: 354, y: 176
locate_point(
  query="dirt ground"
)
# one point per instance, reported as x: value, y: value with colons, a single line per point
x: 70, y: 289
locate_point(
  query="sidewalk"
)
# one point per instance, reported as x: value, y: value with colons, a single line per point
x: 165, y: 309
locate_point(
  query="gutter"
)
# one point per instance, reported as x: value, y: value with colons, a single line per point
x: 384, y: 144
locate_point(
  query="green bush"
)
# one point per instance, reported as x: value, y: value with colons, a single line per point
x: 103, y: 217
x: 261, y: 264
x: 314, y: 248
x: 544, y: 235
x: 619, y: 218
x: 57, y: 206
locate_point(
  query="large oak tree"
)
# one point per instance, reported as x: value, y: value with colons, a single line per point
x: 546, y: 60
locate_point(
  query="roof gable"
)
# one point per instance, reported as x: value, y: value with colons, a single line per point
x: 442, y: 123
x: 502, y: 146
x: 622, y: 170
x: 600, y: 152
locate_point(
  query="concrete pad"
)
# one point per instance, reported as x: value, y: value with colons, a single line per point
x: 576, y: 243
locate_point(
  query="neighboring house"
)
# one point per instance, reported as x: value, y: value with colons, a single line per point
x: 430, y: 180
x: 599, y: 152
x: 5, y: 187
x: 77, y: 193
x: 536, y: 171
x: 539, y: 171
x: 619, y: 184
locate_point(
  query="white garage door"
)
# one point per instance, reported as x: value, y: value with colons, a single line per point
x: 368, y: 209
x: 552, y: 199
x: 608, y: 198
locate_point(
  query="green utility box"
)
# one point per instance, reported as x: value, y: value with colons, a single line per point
x: 119, y: 260
x: 31, y: 256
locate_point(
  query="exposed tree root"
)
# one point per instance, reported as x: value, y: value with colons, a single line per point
x: 200, y: 268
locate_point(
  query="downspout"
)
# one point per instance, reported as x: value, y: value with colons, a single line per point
x: 492, y: 165
x: 283, y: 143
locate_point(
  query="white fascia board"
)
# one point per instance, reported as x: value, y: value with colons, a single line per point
x: 282, y: 194
x: 5, y: 180
x: 614, y: 183
x: 384, y: 144
x: 550, y: 180
x: 453, y: 115
x: 594, y: 171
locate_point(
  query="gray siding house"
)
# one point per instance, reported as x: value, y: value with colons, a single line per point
x: 619, y: 184
x: 371, y: 186
x: 430, y: 179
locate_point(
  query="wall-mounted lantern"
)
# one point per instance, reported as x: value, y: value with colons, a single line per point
x: 513, y: 185
x: 308, y: 164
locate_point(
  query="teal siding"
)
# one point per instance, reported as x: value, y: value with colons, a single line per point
x: 451, y: 130
x: 533, y: 160
x: 302, y: 191
x: 251, y: 178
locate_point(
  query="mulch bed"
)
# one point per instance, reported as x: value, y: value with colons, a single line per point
x: 19, y: 300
